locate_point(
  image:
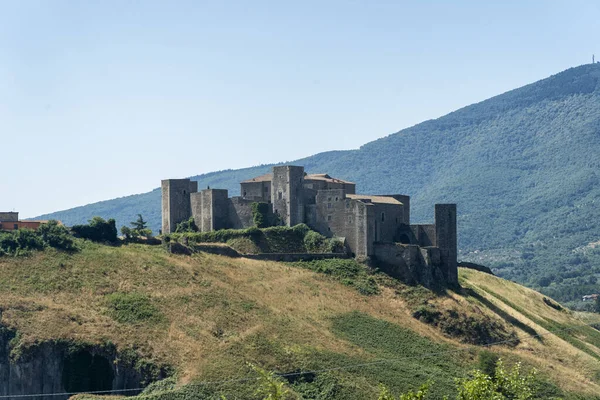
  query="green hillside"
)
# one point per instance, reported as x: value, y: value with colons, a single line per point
x: 203, y: 317
x: 522, y: 166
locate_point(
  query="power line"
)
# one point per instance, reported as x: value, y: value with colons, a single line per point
x: 317, y: 371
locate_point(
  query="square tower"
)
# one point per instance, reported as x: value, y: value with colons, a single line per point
x: 176, y: 205
x: 287, y: 194
x: 446, y: 240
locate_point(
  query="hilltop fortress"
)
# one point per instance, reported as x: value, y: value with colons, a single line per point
x: 374, y: 226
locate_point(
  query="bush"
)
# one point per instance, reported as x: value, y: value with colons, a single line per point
x: 473, y: 328
x: 349, y: 272
x: 132, y: 308
x: 20, y: 241
x: 187, y: 226
x: 260, y: 214
x: 487, y: 362
x: 57, y: 236
x: 97, y: 230
x: 315, y: 242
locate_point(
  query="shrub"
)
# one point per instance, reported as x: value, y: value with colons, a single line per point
x: 349, y: 272
x: 97, y: 230
x: 473, y: 328
x: 260, y: 214
x: 421, y: 394
x: 132, y: 308
x: 315, y: 242
x: 187, y: 226
x: 487, y: 362
x: 301, y: 230
x: 503, y: 384
x: 57, y: 236
x: 20, y: 241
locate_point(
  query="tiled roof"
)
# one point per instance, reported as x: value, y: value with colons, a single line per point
x: 314, y: 177
x: 374, y: 199
x: 263, y: 178
x: 325, y: 177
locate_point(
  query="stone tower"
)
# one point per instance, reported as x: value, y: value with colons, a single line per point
x: 209, y: 209
x: 445, y: 233
x: 287, y: 194
x: 176, y: 202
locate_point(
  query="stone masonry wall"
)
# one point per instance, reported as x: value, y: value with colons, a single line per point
x: 424, y: 234
x: 176, y: 205
x: 387, y: 219
x: 446, y: 238
x: 287, y: 194
x: 257, y: 191
x: 410, y: 263
x: 240, y: 213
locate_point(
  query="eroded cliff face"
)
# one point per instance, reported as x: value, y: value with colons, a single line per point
x: 67, y: 367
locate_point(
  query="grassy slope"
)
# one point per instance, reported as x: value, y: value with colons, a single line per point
x: 216, y: 313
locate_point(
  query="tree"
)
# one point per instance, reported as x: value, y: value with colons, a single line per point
x: 139, y: 224
x: 97, y: 230
x: 138, y: 228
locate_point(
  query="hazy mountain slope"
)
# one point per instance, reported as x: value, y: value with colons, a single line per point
x: 207, y: 315
x: 522, y: 166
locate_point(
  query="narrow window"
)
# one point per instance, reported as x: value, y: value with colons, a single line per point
x: 266, y: 188
x: 244, y: 193
x: 329, y: 199
x: 16, y: 226
x: 184, y: 192
x: 280, y: 195
x: 350, y: 218
x: 328, y: 205
x: 396, y: 219
x: 347, y: 204
x: 329, y: 218
x: 336, y: 199
x: 382, y: 217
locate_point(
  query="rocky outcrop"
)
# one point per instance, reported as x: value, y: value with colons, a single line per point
x: 67, y: 367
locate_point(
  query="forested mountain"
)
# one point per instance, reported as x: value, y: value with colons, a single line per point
x: 522, y: 166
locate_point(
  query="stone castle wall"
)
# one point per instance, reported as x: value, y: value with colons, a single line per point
x: 370, y: 226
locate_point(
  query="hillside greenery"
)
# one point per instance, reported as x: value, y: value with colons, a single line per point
x: 207, y: 317
x: 274, y: 239
x: 522, y: 167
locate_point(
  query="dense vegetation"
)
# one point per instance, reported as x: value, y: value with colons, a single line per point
x: 22, y: 241
x: 97, y: 230
x: 522, y: 166
x: 274, y: 239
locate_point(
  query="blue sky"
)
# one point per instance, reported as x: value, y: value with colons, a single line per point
x: 101, y: 99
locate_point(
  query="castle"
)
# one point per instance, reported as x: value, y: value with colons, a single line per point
x: 374, y: 226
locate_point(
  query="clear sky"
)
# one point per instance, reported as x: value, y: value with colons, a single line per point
x: 101, y: 99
